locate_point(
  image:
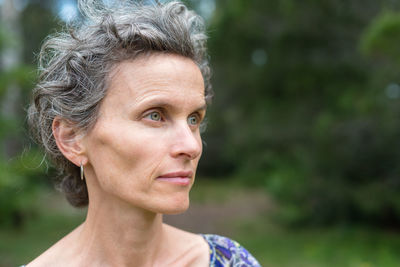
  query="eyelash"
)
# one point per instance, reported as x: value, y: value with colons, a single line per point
x: 148, y: 115
x: 160, y: 113
x: 198, y: 118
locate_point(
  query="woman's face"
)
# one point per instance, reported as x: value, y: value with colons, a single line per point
x: 146, y: 144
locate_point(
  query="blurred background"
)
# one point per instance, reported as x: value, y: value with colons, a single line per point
x: 303, y: 140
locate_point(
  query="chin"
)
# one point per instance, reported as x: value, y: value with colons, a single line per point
x: 175, y: 207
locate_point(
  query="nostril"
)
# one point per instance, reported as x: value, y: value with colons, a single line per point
x: 188, y: 144
x: 192, y: 151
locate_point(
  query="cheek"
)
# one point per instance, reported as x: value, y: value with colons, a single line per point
x: 118, y: 151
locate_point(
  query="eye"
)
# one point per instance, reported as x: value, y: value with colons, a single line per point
x: 154, y: 116
x: 193, y: 120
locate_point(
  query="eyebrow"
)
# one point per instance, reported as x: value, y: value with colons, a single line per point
x: 167, y: 105
x: 202, y: 107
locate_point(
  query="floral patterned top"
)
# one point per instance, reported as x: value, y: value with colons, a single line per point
x: 225, y: 252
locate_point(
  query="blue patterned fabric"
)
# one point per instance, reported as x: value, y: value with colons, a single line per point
x: 225, y: 252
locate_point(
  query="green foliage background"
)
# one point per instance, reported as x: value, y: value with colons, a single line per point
x: 306, y: 106
x: 23, y: 171
x: 317, y: 125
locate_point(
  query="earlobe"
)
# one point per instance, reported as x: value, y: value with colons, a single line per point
x: 69, y: 141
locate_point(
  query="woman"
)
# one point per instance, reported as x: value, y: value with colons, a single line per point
x: 118, y: 108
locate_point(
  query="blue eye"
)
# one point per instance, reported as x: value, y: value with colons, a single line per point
x: 193, y: 120
x: 154, y: 116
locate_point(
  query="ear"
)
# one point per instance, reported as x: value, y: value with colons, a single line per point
x: 69, y: 141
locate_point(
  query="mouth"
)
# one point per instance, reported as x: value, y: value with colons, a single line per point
x: 178, y: 178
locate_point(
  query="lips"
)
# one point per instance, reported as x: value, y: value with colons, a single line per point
x: 179, y: 178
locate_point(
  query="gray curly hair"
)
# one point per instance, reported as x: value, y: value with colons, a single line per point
x: 74, y: 66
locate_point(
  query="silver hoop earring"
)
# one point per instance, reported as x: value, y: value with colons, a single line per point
x: 82, y: 174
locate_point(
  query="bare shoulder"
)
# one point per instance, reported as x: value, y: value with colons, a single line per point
x: 56, y: 253
x: 191, y: 249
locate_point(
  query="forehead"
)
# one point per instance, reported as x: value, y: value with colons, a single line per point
x: 156, y: 76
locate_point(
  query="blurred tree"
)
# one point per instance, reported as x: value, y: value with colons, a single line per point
x: 37, y: 21
x: 10, y: 58
x: 299, y: 110
x: 16, y: 184
x: 22, y: 172
x: 382, y: 36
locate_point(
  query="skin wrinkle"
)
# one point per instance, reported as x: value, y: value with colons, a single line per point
x: 139, y: 246
x: 124, y: 155
x: 115, y: 101
x: 129, y: 93
x: 124, y: 150
x: 91, y: 48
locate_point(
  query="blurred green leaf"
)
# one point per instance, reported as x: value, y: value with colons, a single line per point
x: 382, y: 36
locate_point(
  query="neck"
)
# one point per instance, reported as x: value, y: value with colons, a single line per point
x: 117, y: 233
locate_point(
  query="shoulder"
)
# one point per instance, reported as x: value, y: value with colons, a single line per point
x: 227, y: 252
x: 188, y: 248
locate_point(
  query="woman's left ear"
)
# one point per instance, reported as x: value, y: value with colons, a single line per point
x: 69, y: 141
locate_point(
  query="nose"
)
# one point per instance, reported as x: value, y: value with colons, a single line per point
x: 186, y: 143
